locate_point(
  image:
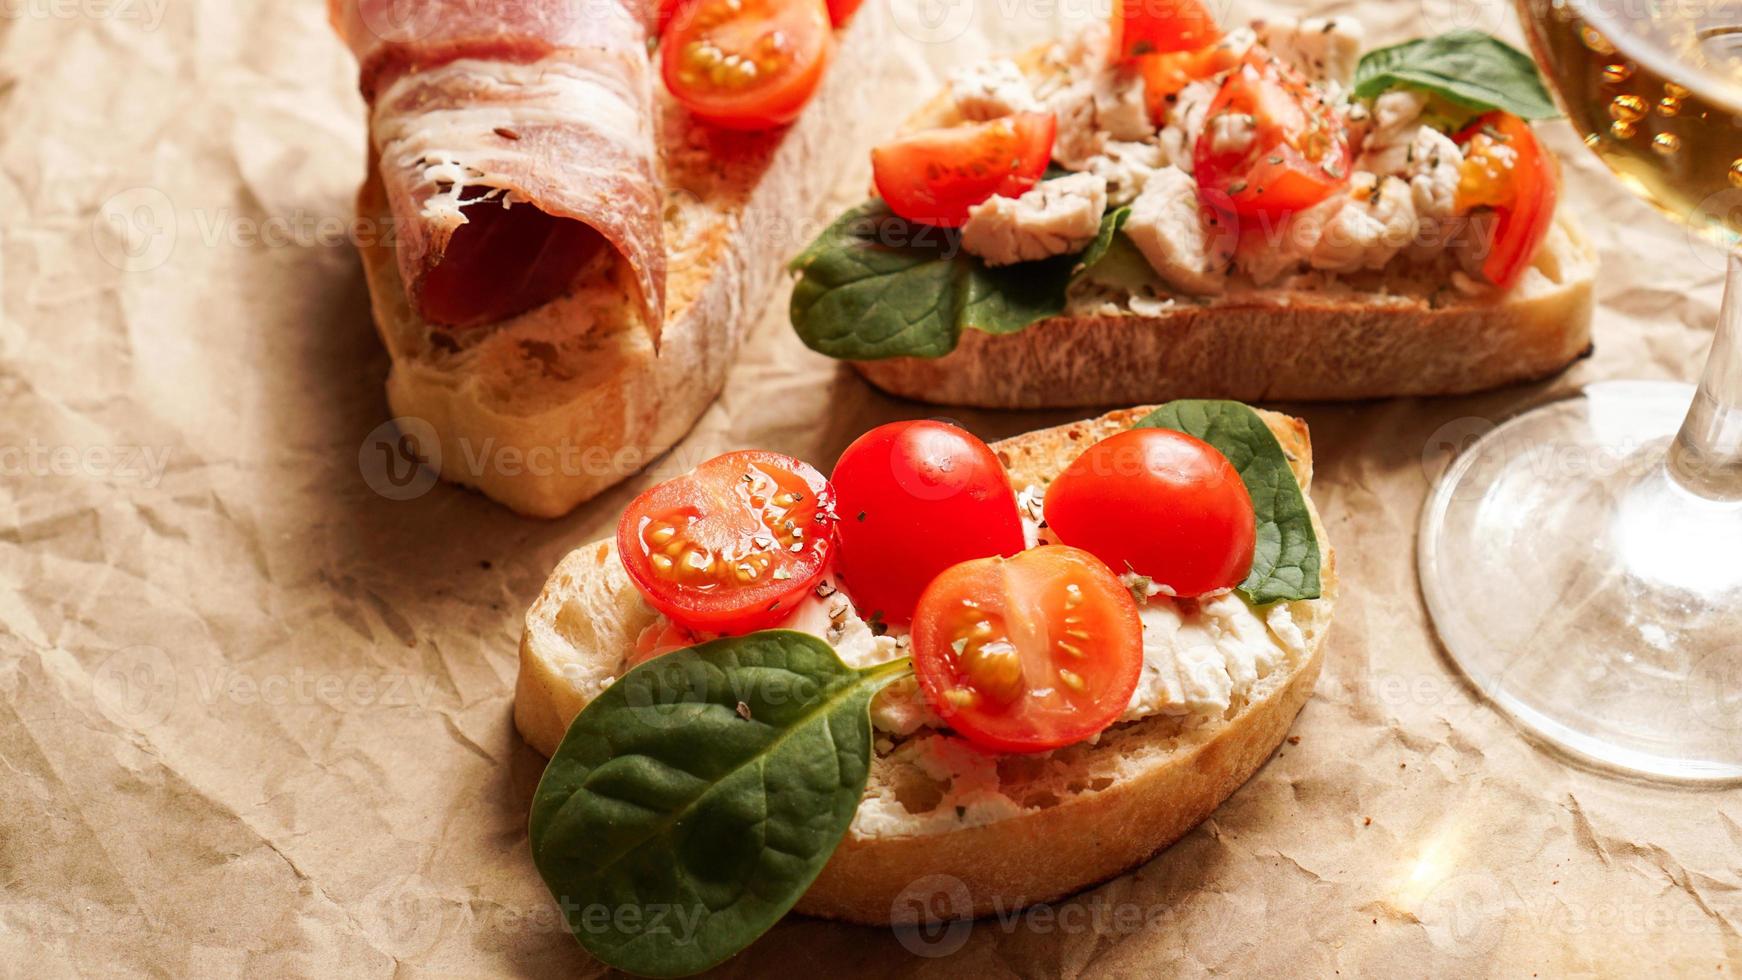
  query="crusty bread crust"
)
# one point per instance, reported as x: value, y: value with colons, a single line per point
x: 1268, y: 344
x: 1299, y: 346
x: 543, y: 416
x: 1096, y: 811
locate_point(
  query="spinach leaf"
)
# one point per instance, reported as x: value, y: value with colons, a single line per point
x: 876, y: 285
x: 693, y: 802
x: 1466, y: 67
x: 1286, y: 562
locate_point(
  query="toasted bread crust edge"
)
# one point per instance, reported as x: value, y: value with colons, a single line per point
x: 1301, y: 347
x: 1039, y: 856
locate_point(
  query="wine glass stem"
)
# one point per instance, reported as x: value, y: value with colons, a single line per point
x: 1706, y: 456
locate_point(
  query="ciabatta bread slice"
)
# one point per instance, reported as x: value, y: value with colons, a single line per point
x: 1373, y: 337
x: 548, y: 409
x: 1077, y: 816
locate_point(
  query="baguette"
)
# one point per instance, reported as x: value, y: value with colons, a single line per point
x: 1086, y: 813
x: 1379, y: 337
x: 548, y: 409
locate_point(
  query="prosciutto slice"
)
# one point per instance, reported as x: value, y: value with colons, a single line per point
x: 515, y: 143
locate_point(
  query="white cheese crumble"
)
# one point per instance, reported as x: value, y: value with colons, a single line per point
x: 1185, y: 121
x: 992, y: 90
x: 1324, y: 49
x: 1056, y: 217
x: 1170, y: 228
x: 1126, y: 167
x: 1198, y: 655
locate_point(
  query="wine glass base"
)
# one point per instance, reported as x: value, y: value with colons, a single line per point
x: 1588, y: 595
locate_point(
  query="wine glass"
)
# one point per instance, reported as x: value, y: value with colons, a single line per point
x: 1582, y: 562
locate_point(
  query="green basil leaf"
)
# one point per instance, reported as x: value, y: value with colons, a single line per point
x: 1111, y: 223
x: 876, y: 285
x: 693, y: 802
x: 1285, y: 564
x: 1466, y: 67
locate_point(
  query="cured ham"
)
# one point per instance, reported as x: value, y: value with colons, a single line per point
x: 515, y: 142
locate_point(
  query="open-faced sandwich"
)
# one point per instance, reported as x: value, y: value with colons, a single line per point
x: 552, y: 206
x: 1157, y: 208
x: 1008, y: 671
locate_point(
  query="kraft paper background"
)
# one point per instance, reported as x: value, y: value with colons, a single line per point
x: 255, y: 715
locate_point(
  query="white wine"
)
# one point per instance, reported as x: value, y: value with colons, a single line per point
x: 1655, y: 88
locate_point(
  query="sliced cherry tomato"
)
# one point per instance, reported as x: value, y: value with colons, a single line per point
x: 936, y: 175
x: 1160, y: 503
x: 1028, y: 653
x: 1298, y: 153
x: 1143, y: 27
x: 841, y: 11
x: 1165, y: 75
x: 1506, y: 169
x: 914, y: 499
x: 746, y: 64
x: 667, y: 10
x: 733, y: 545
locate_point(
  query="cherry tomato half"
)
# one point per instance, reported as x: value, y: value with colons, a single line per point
x: 915, y: 498
x: 746, y: 64
x: 1299, y: 151
x: 936, y: 175
x: 841, y: 11
x: 1160, y: 503
x: 1028, y: 653
x: 1505, y: 168
x: 733, y: 545
x: 1143, y: 27
x: 1165, y: 75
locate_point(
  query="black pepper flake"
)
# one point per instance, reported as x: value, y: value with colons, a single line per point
x: 861, y: 516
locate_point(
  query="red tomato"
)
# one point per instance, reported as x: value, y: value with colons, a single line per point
x: 914, y: 499
x: 1165, y: 75
x: 841, y: 11
x: 1160, y: 503
x: 936, y: 175
x: 667, y: 10
x: 1299, y: 151
x: 1028, y: 653
x: 1143, y: 27
x: 746, y: 64
x: 1505, y: 168
x: 733, y: 545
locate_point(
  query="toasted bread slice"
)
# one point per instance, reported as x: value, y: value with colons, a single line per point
x: 1076, y: 816
x: 548, y: 409
x: 1378, y: 336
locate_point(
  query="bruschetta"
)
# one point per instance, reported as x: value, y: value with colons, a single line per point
x: 571, y: 229
x: 1159, y: 208
x: 998, y: 672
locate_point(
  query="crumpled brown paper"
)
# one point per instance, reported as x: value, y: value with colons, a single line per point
x: 254, y: 714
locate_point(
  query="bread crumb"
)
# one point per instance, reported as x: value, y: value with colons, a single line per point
x: 743, y: 711
x: 1366, y: 821
x: 1294, y: 740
